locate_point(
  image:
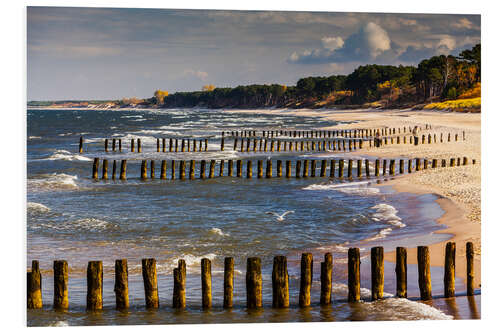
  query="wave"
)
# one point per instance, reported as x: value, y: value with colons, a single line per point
x: 53, y: 181
x: 65, y: 134
x: 66, y: 156
x: 85, y: 224
x: 387, y: 214
x: 344, y: 188
x: 218, y: 231
x: 33, y: 137
x: 132, y: 116
x: 35, y: 207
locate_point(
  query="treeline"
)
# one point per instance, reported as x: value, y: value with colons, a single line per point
x: 438, y: 78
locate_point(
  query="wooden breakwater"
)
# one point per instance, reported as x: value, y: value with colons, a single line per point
x: 332, y: 168
x: 253, y: 279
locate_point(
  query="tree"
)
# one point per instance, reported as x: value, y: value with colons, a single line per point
x: 208, y: 87
x: 160, y: 96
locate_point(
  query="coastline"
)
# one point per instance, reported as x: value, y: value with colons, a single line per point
x: 458, y: 189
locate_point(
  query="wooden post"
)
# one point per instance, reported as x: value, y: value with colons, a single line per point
x: 279, y: 168
x: 353, y: 275
x: 341, y: 168
x: 426, y: 164
x: 359, y: 168
x: 367, y: 168
x: 313, y: 168
x: 152, y: 172
x: 417, y: 164
x: 332, y: 168
x: 80, y: 148
x: 192, y: 165
x: 203, y: 169
x: 230, y: 168
x: 95, y: 168
x: 211, y: 172
x: 377, y: 268
x: 249, y: 169
x: 123, y: 170
x: 306, y: 276
x: 121, y: 284
x: 401, y: 166
x: 349, y: 169
x: 288, y: 169
x: 401, y: 275
x: 139, y: 147
x: 157, y: 145
x: 173, y: 169
x: 183, y: 145
x: 326, y: 280
x: 323, y: 168
x: 105, y: 169
x: 452, y: 162
x: 221, y: 168
x: 443, y: 163
x: 150, y: 283
x: 409, y: 165
x: 163, y: 172
x: 206, y: 283
x: 206, y: 144
x: 228, y: 282
x: 254, y: 283
x: 259, y: 169
x: 94, y: 285
x: 113, y: 174
x: 305, y: 172
x: 269, y: 168
x: 424, y: 273
x: 281, y: 297
x: 163, y: 145
x: 238, y: 168
x: 170, y: 145
x: 106, y: 145
x: 449, y: 270
x: 434, y: 163
x: 297, y: 168
x: 179, y: 292
x: 377, y: 168
x: 60, y: 285
x: 384, y: 167
x: 144, y: 170
x: 470, y: 268
x: 222, y: 144
x: 34, y: 286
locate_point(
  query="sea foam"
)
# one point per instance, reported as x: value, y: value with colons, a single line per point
x: 66, y: 156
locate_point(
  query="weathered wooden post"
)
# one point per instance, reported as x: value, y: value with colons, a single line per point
x: 326, y: 280
x: 34, y: 286
x: 173, y: 169
x: 332, y: 168
x: 239, y: 168
x: 281, y: 297
x: 410, y: 168
x: 113, y: 174
x: 449, y: 270
x: 203, y: 172
x: 249, y: 169
x: 80, y: 147
x: 206, y: 283
x: 384, y: 167
x: 470, y: 268
x: 424, y: 273
x: 288, y: 169
x: 211, y: 172
x: 269, y: 168
x: 323, y: 168
x: 179, y: 292
x: 228, y: 282
x: 313, y: 168
x: 121, y: 284
x: 139, y: 147
x: 235, y: 145
x: 392, y: 166
x: 157, y: 145
x: 297, y: 168
x: 306, y: 276
x: 452, y: 162
x: 94, y: 286
x: 259, y: 169
x: 152, y: 172
x: 456, y: 137
x: 341, y: 168
x: 104, y: 169
x: 60, y: 285
x: 305, y: 172
x: 120, y: 145
x: 254, y: 283
x: 377, y: 268
x: 150, y: 283
x: 222, y: 144
x: 353, y: 275
x: 170, y: 144
x: 144, y: 170
x: 106, y: 145
x: 401, y: 275
x: 95, y: 168
x: 164, y: 145
x: 192, y: 165
x: 221, y: 168
x: 426, y: 164
x: 377, y: 168
x: 417, y: 164
x: 279, y: 168
x: 367, y: 168
x: 230, y: 168
x: 349, y: 169
x: 443, y: 163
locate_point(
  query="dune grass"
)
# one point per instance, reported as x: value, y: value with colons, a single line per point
x: 457, y: 104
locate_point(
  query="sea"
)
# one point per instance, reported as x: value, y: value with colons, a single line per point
x: 74, y: 218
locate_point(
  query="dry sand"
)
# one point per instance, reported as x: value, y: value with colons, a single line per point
x: 459, y: 188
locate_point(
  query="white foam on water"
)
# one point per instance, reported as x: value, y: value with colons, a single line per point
x: 192, y: 261
x: 393, y: 308
x: 132, y: 116
x: 53, y: 181
x: 387, y: 213
x: 33, y: 137
x: 85, y: 224
x: 139, y: 119
x: 35, y: 207
x: 218, y: 231
x: 66, y: 156
x: 65, y: 134
x: 60, y: 323
x: 352, y: 188
x: 381, y: 234
x: 360, y: 190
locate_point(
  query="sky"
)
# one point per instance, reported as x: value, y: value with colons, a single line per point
x: 112, y: 53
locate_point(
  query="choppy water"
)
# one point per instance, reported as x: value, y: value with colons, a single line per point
x: 71, y: 217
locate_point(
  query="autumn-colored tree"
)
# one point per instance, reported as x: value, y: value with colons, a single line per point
x: 160, y: 96
x: 208, y: 87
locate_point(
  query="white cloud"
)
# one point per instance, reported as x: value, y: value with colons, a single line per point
x: 464, y: 23
x: 377, y: 38
x: 332, y: 43
x: 199, y: 74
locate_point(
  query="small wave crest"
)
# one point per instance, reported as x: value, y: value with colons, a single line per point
x: 85, y: 224
x: 66, y: 156
x: 53, y: 181
x: 218, y: 231
x: 353, y: 188
x: 35, y: 207
x: 387, y: 214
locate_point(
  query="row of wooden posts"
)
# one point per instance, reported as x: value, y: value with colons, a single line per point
x: 280, y: 280
x: 347, y: 133
x: 382, y: 167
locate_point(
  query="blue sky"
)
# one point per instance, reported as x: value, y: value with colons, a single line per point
x: 101, y: 53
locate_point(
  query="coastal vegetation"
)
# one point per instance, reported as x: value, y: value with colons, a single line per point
x: 440, y: 82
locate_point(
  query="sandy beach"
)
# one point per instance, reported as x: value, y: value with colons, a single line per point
x: 458, y: 189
